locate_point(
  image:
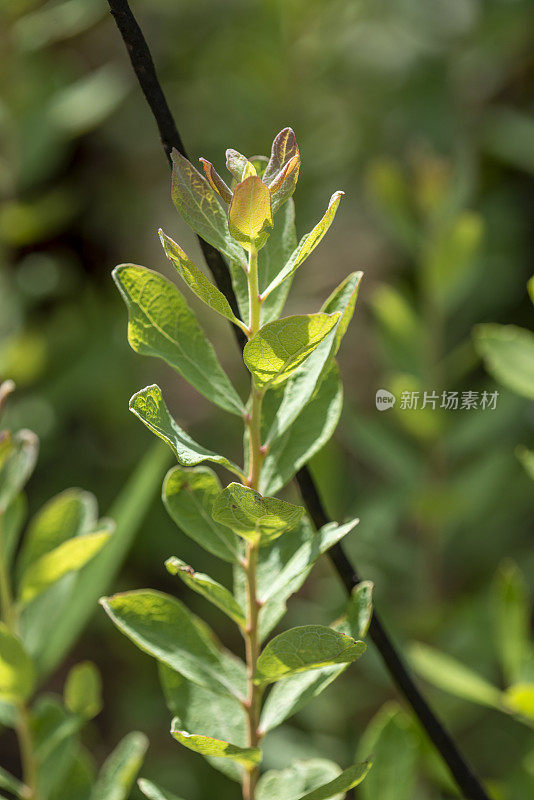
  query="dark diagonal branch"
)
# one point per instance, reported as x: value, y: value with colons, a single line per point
x: 143, y: 65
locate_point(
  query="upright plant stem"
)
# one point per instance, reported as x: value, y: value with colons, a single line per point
x: 256, y: 456
x: 143, y: 65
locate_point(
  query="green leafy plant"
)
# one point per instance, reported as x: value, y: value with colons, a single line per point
x: 47, y: 589
x: 220, y: 703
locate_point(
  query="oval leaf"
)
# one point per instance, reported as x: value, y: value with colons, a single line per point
x: 17, y: 674
x: 250, y: 757
x: 508, y: 352
x: 208, y: 588
x: 303, y: 648
x: 149, y: 406
x: 283, y: 149
x: 83, y: 690
x: 256, y: 518
x: 348, y: 779
x: 276, y: 351
x: 250, y: 215
x: 161, y: 324
x: 120, y: 770
x: 154, y: 792
x: 18, y: 455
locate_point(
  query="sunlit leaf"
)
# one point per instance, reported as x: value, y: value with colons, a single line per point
x: 276, y: 351
x: 303, y: 648
x: 239, y: 165
x: 71, y: 513
x: 17, y: 674
x: 519, y: 698
x: 452, y: 676
x: 392, y: 740
x: 300, y: 777
x: 307, y: 244
x: 18, y: 455
x: 272, y: 257
x: 69, y: 556
x: 283, y: 149
x: 197, y: 203
x: 348, y: 779
x: 120, y: 770
x: 161, y: 324
x: 209, y: 713
x: 197, y: 281
x: 508, y: 352
x: 149, y: 406
x: 164, y: 628
x: 216, y: 748
x: 189, y: 495
x: 215, y: 180
x: 208, y: 588
x: 360, y: 609
x: 284, y: 184
x: 83, y: 690
x: 250, y: 216
x: 256, y: 518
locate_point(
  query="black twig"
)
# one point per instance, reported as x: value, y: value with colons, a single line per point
x: 144, y: 68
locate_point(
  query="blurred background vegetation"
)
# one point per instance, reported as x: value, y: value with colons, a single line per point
x: 423, y: 113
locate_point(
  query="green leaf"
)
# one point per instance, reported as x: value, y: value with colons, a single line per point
x: 12, y: 784
x: 307, y: 435
x: 83, y: 690
x: 78, y: 781
x: 239, y: 165
x: 290, y: 572
x: 12, y: 523
x: 208, y: 588
x: 18, y: 455
x: 392, y: 740
x: 149, y: 406
x: 164, y: 628
x: 307, y: 245
x: 508, y: 352
x: 257, y: 519
x: 17, y: 674
x: 197, y: 203
x: 300, y: 777
x: 348, y: 779
x: 216, y: 748
x: 197, y: 281
x: 300, y: 387
x: 71, y: 513
x: 450, y: 675
x: 360, y: 610
x: 189, y: 495
x: 161, y: 324
x: 119, y: 771
x: 512, y: 620
x: 56, y: 743
x: 303, y: 648
x: 519, y: 699
x: 70, y: 556
x: 290, y: 695
x: 271, y: 258
x: 154, y: 792
x: 276, y: 351
x: 209, y: 713
x: 283, y: 149
x: 129, y: 509
x: 526, y: 457
x: 250, y: 216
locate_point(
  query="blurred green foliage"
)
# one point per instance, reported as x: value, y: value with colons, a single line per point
x: 422, y: 113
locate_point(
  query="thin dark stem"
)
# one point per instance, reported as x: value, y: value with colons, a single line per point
x: 142, y: 62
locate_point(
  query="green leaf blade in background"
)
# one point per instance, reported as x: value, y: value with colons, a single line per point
x: 256, y: 518
x: 83, y: 690
x: 120, y: 770
x: 512, y: 621
x: 189, y: 495
x: 249, y: 757
x: 148, y: 405
x: 348, y: 779
x: 303, y: 648
x: 17, y: 673
x: 508, y: 352
x: 198, y: 205
x: 154, y: 792
x: 161, y: 324
x: 18, y: 456
x: 197, y: 281
x: 213, y: 591
x: 300, y: 777
x: 274, y: 353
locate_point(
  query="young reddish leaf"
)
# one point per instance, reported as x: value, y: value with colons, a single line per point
x: 239, y: 165
x: 250, y: 214
x: 283, y: 186
x: 284, y: 148
x: 215, y: 180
